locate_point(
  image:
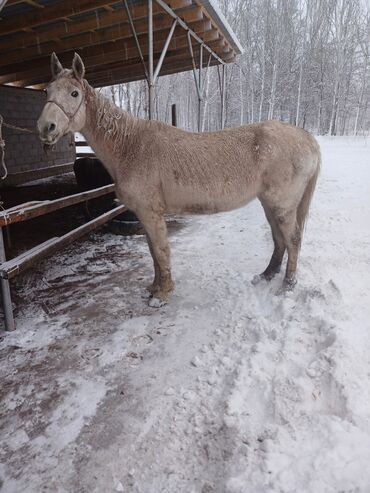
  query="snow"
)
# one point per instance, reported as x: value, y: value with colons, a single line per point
x: 229, y: 388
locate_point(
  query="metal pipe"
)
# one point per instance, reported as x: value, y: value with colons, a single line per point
x: 185, y: 26
x: 194, y: 66
x: 201, y: 87
x: 206, y: 74
x: 150, y: 59
x: 223, y: 97
x: 133, y: 30
x: 5, y: 291
x: 221, y: 88
x: 164, y: 51
x: 200, y: 68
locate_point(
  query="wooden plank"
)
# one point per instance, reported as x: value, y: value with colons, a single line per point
x: 47, y: 206
x: 13, y: 267
x: 121, y: 77
x: 54, y: 12
x: 11, y: 2
x: 35, y: 174
x: 102, y: 21
x: 125, y: 50
x: 26, y: 204
x: 67, y: 8
x: 107, y: 50
x: 134, y: 69
x: 173, y: 57
x: 120, y: 32
x: 8, y: 263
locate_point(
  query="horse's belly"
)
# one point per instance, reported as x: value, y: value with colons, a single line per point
x: 193, y: 202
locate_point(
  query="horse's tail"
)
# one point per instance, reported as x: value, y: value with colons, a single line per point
x: 304, y: 205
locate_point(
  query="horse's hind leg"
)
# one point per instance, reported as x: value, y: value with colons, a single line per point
x: 291, y: 233
x: 274, y: 265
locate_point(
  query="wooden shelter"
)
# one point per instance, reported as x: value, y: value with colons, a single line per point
x: 119, y: 41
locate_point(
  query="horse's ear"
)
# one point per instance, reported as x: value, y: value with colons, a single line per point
x: 78, y: 67
x: 55, y: 65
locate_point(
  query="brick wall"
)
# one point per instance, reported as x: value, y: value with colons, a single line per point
x: 24, y: 152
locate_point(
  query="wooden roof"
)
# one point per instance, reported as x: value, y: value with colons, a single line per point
x: 99, y: 30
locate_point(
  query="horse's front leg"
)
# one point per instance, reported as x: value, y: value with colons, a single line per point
x: 156, y: 230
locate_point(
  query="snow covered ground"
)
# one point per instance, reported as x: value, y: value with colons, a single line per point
x: 230, y: 388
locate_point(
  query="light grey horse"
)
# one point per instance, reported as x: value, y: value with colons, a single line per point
x: 158, y: 168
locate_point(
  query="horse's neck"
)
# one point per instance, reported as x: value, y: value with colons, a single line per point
x: 108, y: 130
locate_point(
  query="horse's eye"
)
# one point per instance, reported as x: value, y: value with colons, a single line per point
x: 74, y: 94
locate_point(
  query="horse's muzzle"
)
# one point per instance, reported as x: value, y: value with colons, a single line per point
x: 48, y: 133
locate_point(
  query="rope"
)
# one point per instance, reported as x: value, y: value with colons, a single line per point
x: 2, y: 151
x: 20, y: 129
x: 2, y: 142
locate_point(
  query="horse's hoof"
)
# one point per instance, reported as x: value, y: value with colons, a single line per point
x: 152, y: 288
x: 156, y: 302
x: 257, y: 279
x: 288, y: 286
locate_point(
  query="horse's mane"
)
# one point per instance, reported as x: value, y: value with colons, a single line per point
x: 118, y: 125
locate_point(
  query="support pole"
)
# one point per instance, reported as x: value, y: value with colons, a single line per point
x: 197, y: 77
x: 5, y: 291
x: 196, y: 80
x: 164, y: 51
x: 183, y: 24
x: 151, y: 60
x: 133, y: 30
x: 222, y: 82
x: 174, y: 115
x: 200, y: 93
x: 223, y: 95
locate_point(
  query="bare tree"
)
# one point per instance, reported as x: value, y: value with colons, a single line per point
x: 305, y: 62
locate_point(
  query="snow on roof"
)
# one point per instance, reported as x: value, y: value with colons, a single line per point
x: 215, y: 12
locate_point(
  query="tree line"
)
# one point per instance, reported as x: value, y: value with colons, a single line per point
x: 305, y: 62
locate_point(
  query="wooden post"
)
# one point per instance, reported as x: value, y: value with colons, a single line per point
x: 174, y: 115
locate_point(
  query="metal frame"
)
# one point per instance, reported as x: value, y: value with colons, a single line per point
x: 23, y: 212
x: 222, y: 86
x: 151, y: 73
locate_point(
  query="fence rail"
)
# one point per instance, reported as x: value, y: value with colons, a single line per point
x: 30, y: 210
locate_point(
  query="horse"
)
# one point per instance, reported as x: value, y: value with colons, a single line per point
x: 162, y: 169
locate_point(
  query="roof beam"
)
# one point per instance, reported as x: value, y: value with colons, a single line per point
x: 101, y: 21
x: 121, y: 50
x: 173, y: 64
x: 116, y: 73
x: 115, y: 33
x: 15, y: 23
x: 67, y: 8
x: 101, y: 63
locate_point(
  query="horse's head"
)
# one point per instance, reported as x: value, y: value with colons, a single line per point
x: 65, y: 108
